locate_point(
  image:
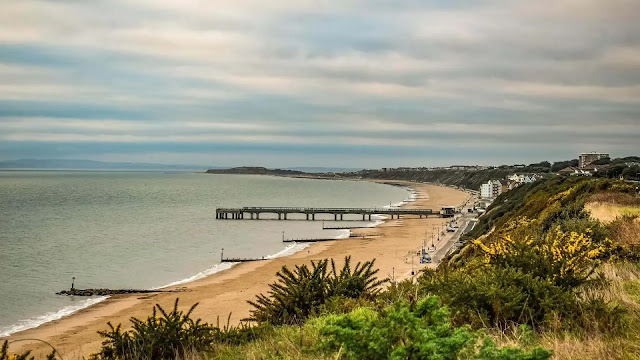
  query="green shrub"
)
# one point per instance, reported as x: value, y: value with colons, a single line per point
x: 298, y: 293
x: 499, y: 297
x: 402, y: 332
x: 4, y: 354
x: 167, y: 336
x: 170, y: 336
x: 361, y: 281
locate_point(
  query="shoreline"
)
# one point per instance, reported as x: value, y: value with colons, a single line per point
x: 69, y: 310
x: 225, y: 292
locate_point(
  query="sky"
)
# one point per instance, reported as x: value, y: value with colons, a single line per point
x: 344, y: 83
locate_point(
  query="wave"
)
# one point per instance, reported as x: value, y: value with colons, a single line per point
x: 413, y: 196
x: 202, y: 274
x: 39, y: 320
x: 290, y: 249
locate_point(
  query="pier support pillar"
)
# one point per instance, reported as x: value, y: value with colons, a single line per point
x: 335, y: 217
x: 341, y: 216
x: 307, y: 216
x: 363, y: 215
x: 369, y: 217
x: 257, y: 216
x: 279, y: 216
x: 313, y: 216
x: 285, y: 216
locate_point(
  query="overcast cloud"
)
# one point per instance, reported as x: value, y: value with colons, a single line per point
x: 366, y: 83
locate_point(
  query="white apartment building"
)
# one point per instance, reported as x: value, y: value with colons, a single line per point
x: 585, y: 159
x: 491, y: 189
x: 485, y: 191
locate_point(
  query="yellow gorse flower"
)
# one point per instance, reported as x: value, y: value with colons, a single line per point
x: 565, y: 253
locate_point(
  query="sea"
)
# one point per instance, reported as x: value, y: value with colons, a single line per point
x: 147, y: 230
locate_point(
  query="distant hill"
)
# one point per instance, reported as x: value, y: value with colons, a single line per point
x: 255, y: 170
x: 322, y: 170
x: 72, y: 164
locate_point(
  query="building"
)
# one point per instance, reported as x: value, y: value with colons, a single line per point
x: 485, y: 190
x: 531, y: 178
x: 574, y: 171
x: 586, y: 159
x: 492, y: 189
x: 496, y: 188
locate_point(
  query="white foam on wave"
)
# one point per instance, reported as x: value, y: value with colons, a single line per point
x: 291, y: 249
x: 210, y: 271
x: 413, y: 195
x: 39, y: 320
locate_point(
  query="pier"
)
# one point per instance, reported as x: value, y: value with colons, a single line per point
x: 251, y: 213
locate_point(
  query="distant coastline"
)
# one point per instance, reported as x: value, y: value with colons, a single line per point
x: 254, y: 170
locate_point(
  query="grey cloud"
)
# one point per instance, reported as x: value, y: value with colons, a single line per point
x: 302, y: 69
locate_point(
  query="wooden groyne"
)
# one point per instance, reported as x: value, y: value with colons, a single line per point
x: 104, y: 292
x: 308, y: 240
x: 344, y: 227
x: 351, y: 236
x: 338, y: 213
x: 242, y: 259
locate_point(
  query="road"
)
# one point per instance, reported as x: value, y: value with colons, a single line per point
x: 466, y: 221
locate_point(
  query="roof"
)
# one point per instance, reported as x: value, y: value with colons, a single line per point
x: 568, y: 169
x: 590, y: 167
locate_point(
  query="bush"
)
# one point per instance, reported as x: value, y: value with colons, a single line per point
x: 170, y: 335
x: 568, y: 259
x: 499, y: 297
x: 298, y: 293
x: 4, y: 354
x: 167, y: 336
x: 402, y: 332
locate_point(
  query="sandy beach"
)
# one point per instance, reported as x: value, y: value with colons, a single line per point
x: 392, y: 244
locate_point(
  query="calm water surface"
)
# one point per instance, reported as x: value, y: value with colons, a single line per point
x: 141, y: 230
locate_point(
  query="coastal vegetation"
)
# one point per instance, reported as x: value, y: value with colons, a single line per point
x: 542, y: 276
x: 5, y: 355
x: 472, y: 178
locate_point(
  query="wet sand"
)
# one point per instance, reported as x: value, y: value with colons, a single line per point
x: 394, y: 245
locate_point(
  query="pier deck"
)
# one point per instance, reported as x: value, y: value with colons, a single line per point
x: 252, y: 213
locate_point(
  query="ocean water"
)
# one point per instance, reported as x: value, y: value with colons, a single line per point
x: 143, y: 230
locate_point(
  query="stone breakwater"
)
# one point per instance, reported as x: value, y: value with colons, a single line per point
x: 104, y: 292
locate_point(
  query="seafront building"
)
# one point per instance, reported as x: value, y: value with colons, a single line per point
x: 586, y: 159
x: 485, y: 190
x: 493, y: 188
